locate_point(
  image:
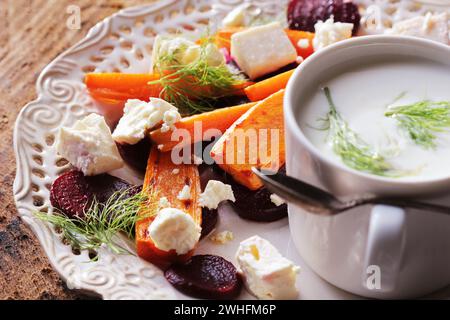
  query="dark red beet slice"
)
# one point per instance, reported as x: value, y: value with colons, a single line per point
x: 72, y: 192
x: 136, y: 155
x: 210, y: 217
x: 256, y: 205
x: 250, y: 205
x: 206, y: 277
x: 304, y: 14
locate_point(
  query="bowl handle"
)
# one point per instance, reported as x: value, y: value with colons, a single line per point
x: 384, y: 248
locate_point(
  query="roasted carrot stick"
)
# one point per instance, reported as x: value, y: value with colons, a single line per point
x: 265, y: 116
x: 220, y: 119
x: 122, y: 86
x: 265, y: 88
x: 161, y: 182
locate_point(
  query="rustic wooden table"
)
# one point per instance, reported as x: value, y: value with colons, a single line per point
x: 32, y: 33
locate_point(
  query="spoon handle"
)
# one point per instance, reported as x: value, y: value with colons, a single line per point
x: 320, y: 202
x: 300, y: 193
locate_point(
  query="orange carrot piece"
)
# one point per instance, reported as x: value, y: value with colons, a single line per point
x: 161, y: 182
x: 303, y: 50
x: 122, y: 86
x: 266, y: 115
x: 265, y: 88
x: 223, y: 40
x: 220, y: 119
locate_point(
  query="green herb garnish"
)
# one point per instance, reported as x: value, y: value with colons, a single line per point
x: 102, y: 222
x: 195, y: 86
x: 422, y: 120
x: 349, y: 146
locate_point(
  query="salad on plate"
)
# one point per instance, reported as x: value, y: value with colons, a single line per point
x: 194, y: 125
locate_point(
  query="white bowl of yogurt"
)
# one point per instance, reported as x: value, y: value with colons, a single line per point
x: 388, y: 137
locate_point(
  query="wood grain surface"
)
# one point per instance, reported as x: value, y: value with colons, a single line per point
x: 32, y: 34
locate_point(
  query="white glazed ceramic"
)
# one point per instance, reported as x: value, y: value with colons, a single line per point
x: 411, y: 248
x: 123, y: 43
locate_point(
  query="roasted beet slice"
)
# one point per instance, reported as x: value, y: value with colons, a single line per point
x: 210, y: 217
x: 304, y: 14
x: 206, y: 277
x: 256, y: 205
x: 136, y: 155
x: 72, y: 192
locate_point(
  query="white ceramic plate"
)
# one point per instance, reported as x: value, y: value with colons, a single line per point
x: 123, y: 43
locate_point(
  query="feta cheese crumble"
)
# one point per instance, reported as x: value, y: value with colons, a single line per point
x: 140, y: 116
x: 277, y: 200
x: 173, y: 229
x: 236, y: 17
x: 262, y: 49
x: 185, y: 193
x: 329, y: 32
x: 163, y: 203
x: 183, y: 52
x: 267, y: 274
x: 88, y: 146
x: 169, y: 119
x: 222, y: 237
x: 431, y: 26
x: 175, y: 171
x: 215, y: 192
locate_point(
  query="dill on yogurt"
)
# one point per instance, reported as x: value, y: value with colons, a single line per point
x: 351, y: 148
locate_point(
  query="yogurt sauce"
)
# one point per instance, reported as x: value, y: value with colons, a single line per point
x: 363, y: 93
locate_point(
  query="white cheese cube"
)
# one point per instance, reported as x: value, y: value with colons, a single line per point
x: 182, y: 52
x: 277, y: 200
x: 222, y: 237
x: 140, y: 116
x: 431, y: 26
x: 267, y: 274
x: 88, y: 146
x: 215, y: 192
x: 263, y: 49
x: 329, y: 32
x: 173, y: 229
x: 185, y: 193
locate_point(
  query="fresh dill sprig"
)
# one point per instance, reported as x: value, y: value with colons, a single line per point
x: 350, y: 147
x: 103, y: 221
x: 193, y: 87
x: 422, y: 120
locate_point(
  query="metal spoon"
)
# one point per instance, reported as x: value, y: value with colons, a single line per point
x: 320, y: 202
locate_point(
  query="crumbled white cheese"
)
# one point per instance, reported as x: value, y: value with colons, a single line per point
x: 176, y: 171
x: 222, y: 237
x: 169, y: 119
x: 163, y: 203
x: 299, y: 59
x: 236, y: 17
x: 185, y: 193
x: 173, y: 229
x: 160, y: 146
x: 431, y: 26
x: 329, y: 32
x: 276, y: 200
x: 267, y: 274
x: 303, y: 43
x: 262, y: 49
x: 215, y: 192
x: 88, y: 146
x: 140, y: 116
x: 183, y: 51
